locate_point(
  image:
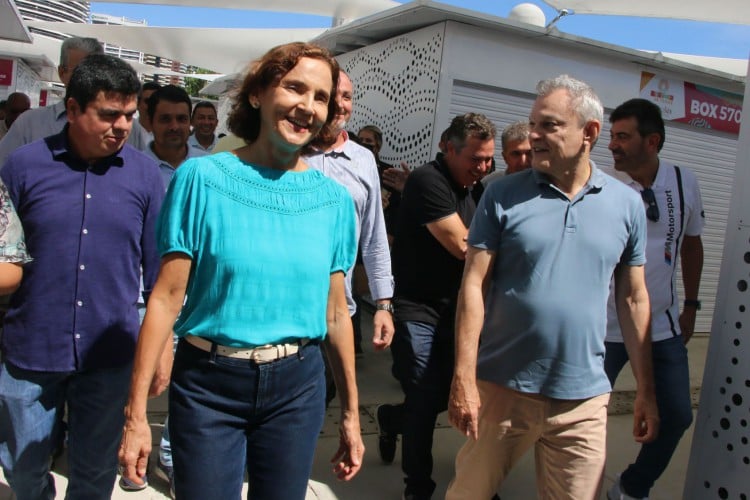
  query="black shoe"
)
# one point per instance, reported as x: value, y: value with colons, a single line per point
x: 386, y: 439
x: 413, y: 496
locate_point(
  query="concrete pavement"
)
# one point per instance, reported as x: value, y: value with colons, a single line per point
x: 382, y: 482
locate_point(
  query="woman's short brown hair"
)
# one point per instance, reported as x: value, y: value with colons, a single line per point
x: 244, y: 120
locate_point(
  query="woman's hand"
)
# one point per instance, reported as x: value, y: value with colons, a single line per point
x: 135, y: 449
x: 348, y: 458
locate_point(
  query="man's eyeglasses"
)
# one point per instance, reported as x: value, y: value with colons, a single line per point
x: 652, y: 209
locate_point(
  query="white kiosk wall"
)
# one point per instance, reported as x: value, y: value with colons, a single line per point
x: 719, y: 464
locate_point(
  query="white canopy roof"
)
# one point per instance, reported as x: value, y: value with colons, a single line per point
x: 337, y: 9
x: 727, y: 65
x: 42, y: 56
x: 717, y: 11
x: 225, y: 50
x: 11, y: 25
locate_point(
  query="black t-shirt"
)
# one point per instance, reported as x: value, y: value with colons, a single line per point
x: 390, y: 213
x: 427, y: 276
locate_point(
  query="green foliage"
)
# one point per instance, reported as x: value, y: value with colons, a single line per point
x: 193, y: 85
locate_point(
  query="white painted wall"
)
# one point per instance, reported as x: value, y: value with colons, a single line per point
x: 518, y: 63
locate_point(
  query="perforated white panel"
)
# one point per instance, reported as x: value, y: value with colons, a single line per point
x: 395, y: 88
x: 720, y: 457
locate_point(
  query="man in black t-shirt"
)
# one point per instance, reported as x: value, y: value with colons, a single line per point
x: 428, y: 254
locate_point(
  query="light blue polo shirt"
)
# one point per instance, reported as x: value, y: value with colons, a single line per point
x: 545, y: 319
x: 166, y: 169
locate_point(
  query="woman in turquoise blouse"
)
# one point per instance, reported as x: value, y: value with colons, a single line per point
x: 259, y: 243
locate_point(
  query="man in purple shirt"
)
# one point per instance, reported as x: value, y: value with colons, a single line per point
x: 88, y: 204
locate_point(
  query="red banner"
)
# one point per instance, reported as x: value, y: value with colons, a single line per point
x: 697, y: 105
x: 6, y: 72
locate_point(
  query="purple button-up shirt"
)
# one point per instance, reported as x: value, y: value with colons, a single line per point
x: 90, y: 229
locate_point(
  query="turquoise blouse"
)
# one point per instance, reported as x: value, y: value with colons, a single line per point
x: 263, y: 243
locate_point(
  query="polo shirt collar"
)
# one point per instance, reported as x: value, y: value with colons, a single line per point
x: 597, y: 179
x: 193, y: 142
x: 59, y: 109
x: 661, y: 176
x: 659, y: 181
x: 59, y: 146
x: 442, y: 167
x: 191, y: 153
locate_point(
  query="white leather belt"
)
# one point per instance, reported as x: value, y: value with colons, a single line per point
x: 259, y: 355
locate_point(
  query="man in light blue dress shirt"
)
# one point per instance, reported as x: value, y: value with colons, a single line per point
x: 354, y: 167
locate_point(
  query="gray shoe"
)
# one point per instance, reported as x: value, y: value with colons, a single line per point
x: 128, y: 485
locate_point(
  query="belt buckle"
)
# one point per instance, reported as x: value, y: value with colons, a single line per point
x: 257, y: 354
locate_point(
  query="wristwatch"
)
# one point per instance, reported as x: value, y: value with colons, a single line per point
x: 692, y: 303
x: 384, y: 307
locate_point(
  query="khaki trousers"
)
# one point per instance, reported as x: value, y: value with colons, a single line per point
x: 569, y: 439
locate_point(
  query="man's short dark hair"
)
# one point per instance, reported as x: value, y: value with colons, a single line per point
x: 101, y: 73
x: 470, y: 125
x: 646, y: 114
x: 203, y: 104
x: 150, y: 86
x: 170, y: 93
x: 87, y: 45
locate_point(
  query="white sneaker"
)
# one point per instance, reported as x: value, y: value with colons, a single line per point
x: 616, y: 493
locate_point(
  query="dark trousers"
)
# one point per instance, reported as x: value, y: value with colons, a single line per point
x: 672, y: 384
x: 423, y: 364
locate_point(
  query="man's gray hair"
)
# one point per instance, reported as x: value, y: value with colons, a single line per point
x: 88, y: 45
x: 470, y: 125
x: 583, y: 99
x: 515, y: 132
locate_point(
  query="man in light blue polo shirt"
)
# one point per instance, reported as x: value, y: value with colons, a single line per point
x: 169, y: 113
x: 204, y: 121
x: 543, y: 247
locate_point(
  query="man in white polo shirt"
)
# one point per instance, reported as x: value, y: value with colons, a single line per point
x: 674, y: 210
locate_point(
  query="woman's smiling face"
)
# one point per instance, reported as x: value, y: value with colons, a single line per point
x: 295, y: 108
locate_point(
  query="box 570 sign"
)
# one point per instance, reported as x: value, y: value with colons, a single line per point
x: 696, y: 105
